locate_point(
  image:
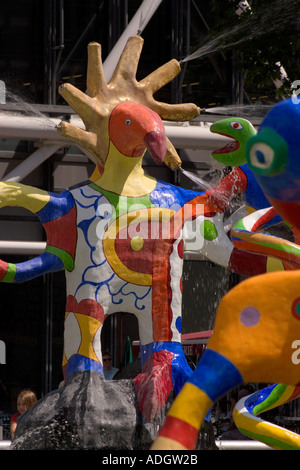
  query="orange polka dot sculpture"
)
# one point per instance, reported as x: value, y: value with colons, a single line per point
x: 258, y: 322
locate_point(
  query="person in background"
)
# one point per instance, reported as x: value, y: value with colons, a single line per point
x: 25, y: 400
x: 108, y: 370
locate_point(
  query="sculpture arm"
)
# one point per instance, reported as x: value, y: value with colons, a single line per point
x: 21, y: 195
x: 246, y: 411
x: 57, y: 213
x: 245, y: 236
x: 244, y: 252
x: 229, y: 186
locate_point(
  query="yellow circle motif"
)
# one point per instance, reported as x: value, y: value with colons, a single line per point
x: 137, y: 243
x: 160, y: 214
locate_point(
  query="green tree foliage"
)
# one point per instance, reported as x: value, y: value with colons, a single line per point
x: 262, y: 39
x: 250, y: 47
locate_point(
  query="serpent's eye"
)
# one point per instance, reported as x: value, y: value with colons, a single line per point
x: 267, y: 153
x: 236, y: 125
x: 261, y: 156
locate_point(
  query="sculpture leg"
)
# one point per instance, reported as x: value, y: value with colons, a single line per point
x: 213, y: 377
x: 82, y: 345
x: 256, y: 326
x: 246, y: 236
x: 164, y: 368
x: 247, y: 421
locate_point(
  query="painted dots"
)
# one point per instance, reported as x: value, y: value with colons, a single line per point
x: 180, y: 249
x: 178, y: 324
x: 250, y: 316
x: 296, y: 308
x: 208, y: 230
x: 136, y: 243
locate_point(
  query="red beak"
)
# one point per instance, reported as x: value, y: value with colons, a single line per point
x: 156, y: 144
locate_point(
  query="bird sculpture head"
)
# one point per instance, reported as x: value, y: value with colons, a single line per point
x: 274, y: 157
x: 238, y: 129
x: 96, y: 106
x: 133, y: 128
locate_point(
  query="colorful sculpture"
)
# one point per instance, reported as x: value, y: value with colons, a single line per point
x: 261, y: 216
x: 234, y: 154
x: 120, y: 238
x: 126, y: 231
x: 258, y: 321
x: 123, y: 249
x: 247, y: 410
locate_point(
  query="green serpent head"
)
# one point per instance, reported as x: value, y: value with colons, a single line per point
x: 234, y: 153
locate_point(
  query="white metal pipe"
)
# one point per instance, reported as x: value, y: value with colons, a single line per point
x: 36, y: 248
x: 184, y: 136
x: 31, y: 162
x: 9, y: 247
x: 242, y: 445
x: 195, y: 137
x: 135, y: 26
x: 222, y: 445
x: 5, y: 445
x: 29, y: 128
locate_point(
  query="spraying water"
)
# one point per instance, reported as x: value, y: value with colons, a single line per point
x: 237, y: 208
x: 250, y: 110
x: 17, y: 105
x: 280, y: 15
x: 200, y: 182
